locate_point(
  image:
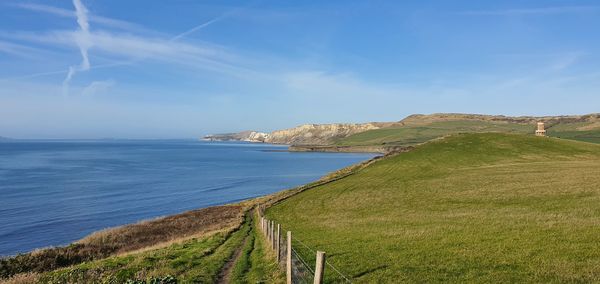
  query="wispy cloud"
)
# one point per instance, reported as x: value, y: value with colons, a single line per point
x: 97, y: 87
x: 83, y: 40
x: 533, y: 11
x: 129, y: 48
x: 60, y: 12
x: 17, y: 49
x: 566, y: 61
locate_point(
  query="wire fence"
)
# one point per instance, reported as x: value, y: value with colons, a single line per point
x: 305, y: 265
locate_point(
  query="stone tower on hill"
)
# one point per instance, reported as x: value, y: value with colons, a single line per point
x: 540, y: 131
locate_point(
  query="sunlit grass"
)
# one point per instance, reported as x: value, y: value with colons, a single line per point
x: 197, y: 260
x: 474, y: 207
x: 411, y: 135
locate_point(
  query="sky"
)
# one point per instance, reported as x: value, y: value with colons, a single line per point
x: 186, y: 68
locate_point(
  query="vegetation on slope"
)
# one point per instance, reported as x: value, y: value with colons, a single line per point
x: 417, y: 129
x: 201, y: 259
x: 592, y: 136
x: 415, y: 134
x: 125, y: 239
x: 472, y: 207
x: 197, y: 261
x: 252, y: 267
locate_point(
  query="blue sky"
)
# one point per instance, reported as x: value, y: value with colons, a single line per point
x: 185, y: 68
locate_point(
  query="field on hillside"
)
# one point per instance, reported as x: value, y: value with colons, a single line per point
x: 471, y: 207
x: 415, y: 134
x: 410, y: 135
x: 592, y: 136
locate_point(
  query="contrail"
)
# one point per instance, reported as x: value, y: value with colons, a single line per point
x: 83, y: 40
x: 196, y: 28
x: 210, y: 22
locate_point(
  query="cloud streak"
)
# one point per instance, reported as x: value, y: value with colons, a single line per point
x: 132, y: 48
x: 16, y: 49
x: 105, y: 21
x: 83, y: 41
x: 534, y: 11
x: 97, y: 87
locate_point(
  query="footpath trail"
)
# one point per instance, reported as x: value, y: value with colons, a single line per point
x: 227, y: 269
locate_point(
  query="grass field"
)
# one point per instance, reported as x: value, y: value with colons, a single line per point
x: 415, y: 134
x: 411, y: 135
x: 469, y: 208
x: 592, y: 136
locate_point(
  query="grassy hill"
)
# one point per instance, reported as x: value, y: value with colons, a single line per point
x: 484, y: 207
x: 408, y: 135
x: 421, y: 128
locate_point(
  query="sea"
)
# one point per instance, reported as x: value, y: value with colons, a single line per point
x: 54, y: 192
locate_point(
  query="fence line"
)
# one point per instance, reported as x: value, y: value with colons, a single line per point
x: 298, y: 270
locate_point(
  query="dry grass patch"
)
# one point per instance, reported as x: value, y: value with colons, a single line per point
x: 125, y: 239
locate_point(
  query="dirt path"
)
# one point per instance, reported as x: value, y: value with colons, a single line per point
x: 227, y: 269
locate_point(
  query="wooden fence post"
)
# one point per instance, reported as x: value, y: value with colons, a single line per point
x: 267, y: 228
x: 278, y: 243
x: 319, y: 267
x: 288, y: 268
x: 272, y: 235
x: 269, y: 231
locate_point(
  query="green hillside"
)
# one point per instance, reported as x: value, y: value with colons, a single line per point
x: 592, y: 136
x: 415, y: 134
x: 469, y: 208
x: 198, y: 260
x: 418, y: 129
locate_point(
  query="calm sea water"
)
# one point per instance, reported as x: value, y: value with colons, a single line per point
x: 55, y: 192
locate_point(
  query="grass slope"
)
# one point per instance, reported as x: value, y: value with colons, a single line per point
x: 194, y: 261
x: 415, y: 134
x: 410, y: 135
x: 126, y: 238
x: 472, y: 207
x: 198, y: 260
x: 252, y: 267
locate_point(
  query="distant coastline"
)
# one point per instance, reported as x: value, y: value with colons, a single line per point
x: 386, y: 137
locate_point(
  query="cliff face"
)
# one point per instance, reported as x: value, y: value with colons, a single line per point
x: 248, y: 136
x: 317, y: 134
x: 311, y: 134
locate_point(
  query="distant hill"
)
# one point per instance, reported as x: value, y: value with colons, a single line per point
x: 419, y: 128
x: 2, y: 138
